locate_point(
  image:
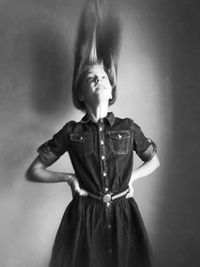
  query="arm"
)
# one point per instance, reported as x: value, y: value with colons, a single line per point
x: 145, y: 169
x: 37, y: 172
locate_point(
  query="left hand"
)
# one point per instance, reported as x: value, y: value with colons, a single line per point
x: 75, y: 187
x: 74, y: 184
x: 131, y: 191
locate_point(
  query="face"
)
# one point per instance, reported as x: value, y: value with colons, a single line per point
x: 96, y: 87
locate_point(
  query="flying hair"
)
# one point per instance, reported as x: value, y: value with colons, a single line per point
x: 97, y: 43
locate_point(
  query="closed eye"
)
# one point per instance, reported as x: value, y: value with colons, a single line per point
x: 89, y: 79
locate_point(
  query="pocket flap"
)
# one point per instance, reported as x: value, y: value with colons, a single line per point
x: 78, y: 137
x: 119, y: 135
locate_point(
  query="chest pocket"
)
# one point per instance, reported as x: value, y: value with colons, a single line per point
x: 82, y: 143
x: 119, y: 141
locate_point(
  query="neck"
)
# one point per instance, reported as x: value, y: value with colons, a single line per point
x: 98, y: 112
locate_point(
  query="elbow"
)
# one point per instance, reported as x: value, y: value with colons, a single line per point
x: 156, y: 162
x: 30, y: 175
x: 33, y: 174
x: 35, y: 171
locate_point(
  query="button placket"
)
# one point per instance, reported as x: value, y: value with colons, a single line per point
x: 103, y: 155
x: 104, y: 174
x: 109, y: 231
x: 102, y: 142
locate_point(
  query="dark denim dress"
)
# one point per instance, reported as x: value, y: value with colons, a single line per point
x: 91, y: 233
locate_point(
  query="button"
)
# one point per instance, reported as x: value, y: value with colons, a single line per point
x: 102, y: 142
x: 109, y: 226
x: 102, y: 157
x: 107, y: 198
x: 104, y: 174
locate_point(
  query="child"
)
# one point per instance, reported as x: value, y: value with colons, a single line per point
x: 102, y: 225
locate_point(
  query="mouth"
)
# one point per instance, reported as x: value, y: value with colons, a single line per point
x: 99, y: 89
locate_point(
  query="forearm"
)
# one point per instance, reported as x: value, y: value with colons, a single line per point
x: 38, y: 172
x: 47, y: 176
x: 145, y: 169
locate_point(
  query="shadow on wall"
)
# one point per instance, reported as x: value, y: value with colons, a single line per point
x: 51, y: 73
x: 178, y: 240
x: 36, y: 60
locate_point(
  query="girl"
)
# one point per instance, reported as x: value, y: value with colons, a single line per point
x: 102, y: 225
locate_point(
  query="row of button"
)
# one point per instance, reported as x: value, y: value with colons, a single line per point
x: 110, y: 249
x: 104, y: 173
x: 102, y: 152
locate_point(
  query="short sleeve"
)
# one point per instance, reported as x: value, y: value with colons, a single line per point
x: 54, y: 148
x: 143, y: 146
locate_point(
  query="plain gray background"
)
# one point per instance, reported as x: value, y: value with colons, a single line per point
x: 158, y: 86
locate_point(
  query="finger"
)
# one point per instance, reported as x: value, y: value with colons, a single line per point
x: 128, y: 195
x: 83, y: 193
x: 73, y: 191
x: 76, y: 187
x: 80, y: 191
x: 131, y: 192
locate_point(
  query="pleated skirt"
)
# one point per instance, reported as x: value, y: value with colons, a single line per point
x: 91, y: 234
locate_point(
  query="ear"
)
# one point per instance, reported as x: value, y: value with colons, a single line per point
x: 80, y: 97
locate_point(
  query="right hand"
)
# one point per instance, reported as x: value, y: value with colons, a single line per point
x: 74, y: 184
x: 131, y: 191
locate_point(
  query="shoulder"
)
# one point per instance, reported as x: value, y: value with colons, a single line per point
x: 72, y: 126
x: 128, y: 121
x: 65, y: 129
x: 68, y: 125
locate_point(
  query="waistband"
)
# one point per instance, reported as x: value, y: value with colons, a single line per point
x: 108, y: 196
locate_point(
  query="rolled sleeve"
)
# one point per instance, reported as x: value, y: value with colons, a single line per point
x: 143, y: 146
x: 54, y: 148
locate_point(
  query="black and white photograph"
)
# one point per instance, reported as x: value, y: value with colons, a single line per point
x: 100, y: 133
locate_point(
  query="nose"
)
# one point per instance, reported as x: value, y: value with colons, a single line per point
x: 96, y: 79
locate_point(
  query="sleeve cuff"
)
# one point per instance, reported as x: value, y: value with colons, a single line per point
x: 149, y: 152
x: 46, y: 155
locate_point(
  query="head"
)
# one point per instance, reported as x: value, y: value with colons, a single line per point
x: 96, y: 49
x: 93, y: 78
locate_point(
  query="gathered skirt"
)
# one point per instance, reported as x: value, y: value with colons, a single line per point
x: 94, y: 235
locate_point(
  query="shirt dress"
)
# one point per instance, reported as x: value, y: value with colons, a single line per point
x: 93, y: 233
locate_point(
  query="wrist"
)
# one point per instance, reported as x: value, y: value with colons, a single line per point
x: 132, y: 180
x: 69, y: 178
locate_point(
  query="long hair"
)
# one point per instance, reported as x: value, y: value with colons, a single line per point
x: 97, y: 42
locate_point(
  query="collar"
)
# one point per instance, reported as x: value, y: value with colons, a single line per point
x: 110, y: 117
